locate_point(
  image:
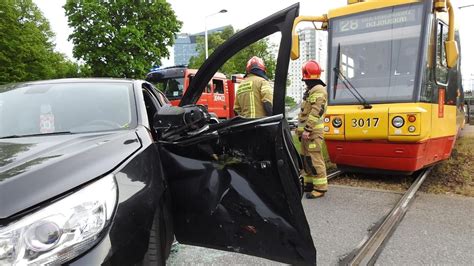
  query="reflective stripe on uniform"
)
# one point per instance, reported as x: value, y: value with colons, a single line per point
x: 312, y: 145
x: 245, y: 87
x: 314, y: 119
x: 312, y: 98
x: 308, y: 179
x: 252, y: 105
x: 319, y: 126
x: 320, y: 181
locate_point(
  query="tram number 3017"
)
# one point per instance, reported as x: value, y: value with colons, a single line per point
x: 365, y: 122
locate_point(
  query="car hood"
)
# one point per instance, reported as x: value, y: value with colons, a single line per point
x: 35, y: 169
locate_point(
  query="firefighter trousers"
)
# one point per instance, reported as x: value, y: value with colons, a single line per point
x: 314, y: 168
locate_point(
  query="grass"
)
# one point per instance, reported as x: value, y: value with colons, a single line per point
x: 455, y: 175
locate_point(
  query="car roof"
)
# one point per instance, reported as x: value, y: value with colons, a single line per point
x: 78, y: 80
x: 9, y: 86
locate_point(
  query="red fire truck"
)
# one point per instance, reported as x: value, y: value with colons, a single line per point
x: 218, y: 97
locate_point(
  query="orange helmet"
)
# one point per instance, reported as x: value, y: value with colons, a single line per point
x: 255, y: 62
x: 311, y: 70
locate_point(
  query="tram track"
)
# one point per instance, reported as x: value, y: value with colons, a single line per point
x: 334, y: 174
x: 368, y: 251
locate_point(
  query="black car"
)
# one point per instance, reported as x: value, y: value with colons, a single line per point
x: 105, y: 171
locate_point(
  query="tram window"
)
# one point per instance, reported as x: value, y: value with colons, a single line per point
x: 427, y: 93
x: 347, y: 64
x: 218, y: 86
x: 381, y: 62
x: 441, y: 65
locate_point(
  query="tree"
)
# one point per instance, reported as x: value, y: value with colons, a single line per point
x: 121, y: 38
x: 237, y: 63
x: 289, y: 101
x: 26, y: 47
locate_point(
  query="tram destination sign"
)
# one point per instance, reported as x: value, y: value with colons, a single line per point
x: 379, y: 20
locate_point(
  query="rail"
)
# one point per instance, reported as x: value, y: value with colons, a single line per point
x: 334, y: 174
x: 369, y: 251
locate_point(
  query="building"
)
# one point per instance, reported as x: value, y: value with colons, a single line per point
x: 313, y: 45
x: 184, y: 48
x: 468, y: 83
x: 185, y: 45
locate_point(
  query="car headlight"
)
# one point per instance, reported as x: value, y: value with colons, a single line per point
x: 61, y: 231
x: 398, y: 121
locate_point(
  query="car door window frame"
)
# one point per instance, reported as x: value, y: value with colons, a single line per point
x: 282, y: 22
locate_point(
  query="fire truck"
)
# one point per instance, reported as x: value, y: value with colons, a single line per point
x: 218, y: 96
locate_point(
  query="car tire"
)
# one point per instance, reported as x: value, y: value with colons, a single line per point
x: 155, y: 253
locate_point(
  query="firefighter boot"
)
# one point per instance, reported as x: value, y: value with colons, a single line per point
x: 308, y: 187
x: 314, y: 194
x: 308, y: 183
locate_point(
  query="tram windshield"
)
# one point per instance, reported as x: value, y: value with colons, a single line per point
x: 378, y: 53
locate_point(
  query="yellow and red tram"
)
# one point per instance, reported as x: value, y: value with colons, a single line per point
x: 394, y: 84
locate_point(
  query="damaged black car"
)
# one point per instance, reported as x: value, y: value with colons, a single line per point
x: 106, y: 171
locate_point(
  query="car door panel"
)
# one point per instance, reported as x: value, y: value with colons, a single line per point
x: 235, y: 185
x: 237, y: 189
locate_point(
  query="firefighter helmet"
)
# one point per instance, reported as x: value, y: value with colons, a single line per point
x: 311, y: 70
x: 255, y: 62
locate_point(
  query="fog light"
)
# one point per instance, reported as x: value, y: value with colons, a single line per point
x: 326, y: 120
x: 326, y: 129
x: 411, y: 118
x: 398, y: 121
x: 337, y: 122
x: 411, y: 129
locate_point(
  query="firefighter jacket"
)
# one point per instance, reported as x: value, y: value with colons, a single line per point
x: 313, y: 108
x: 251, y: 95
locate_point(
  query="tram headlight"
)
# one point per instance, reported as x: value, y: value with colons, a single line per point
x: 398, y: 121
x: 326, y: 120
x: 411, y: 129
x: 337, y: 122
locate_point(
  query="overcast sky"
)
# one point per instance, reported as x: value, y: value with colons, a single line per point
x: 242, y: 13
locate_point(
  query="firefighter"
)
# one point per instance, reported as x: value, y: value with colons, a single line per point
x: 255, y: 95
x: 310, y: 131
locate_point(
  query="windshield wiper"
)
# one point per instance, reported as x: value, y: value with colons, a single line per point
x: 38, y: 134
x: 338, y: 75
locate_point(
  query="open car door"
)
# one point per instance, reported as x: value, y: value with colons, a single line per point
x: 235, y: 185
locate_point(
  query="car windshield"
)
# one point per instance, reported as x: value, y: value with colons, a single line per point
x: 172, y: 87
x: 378, y: 53
x: 35, y: 109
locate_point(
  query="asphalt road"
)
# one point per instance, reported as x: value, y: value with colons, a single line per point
x: 339, y: 222
x: 436, y: 230
x: 467, y: 131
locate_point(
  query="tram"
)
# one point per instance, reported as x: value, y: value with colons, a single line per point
x: 394, y: 85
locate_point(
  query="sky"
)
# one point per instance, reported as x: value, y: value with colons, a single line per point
x: 243, y: 13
